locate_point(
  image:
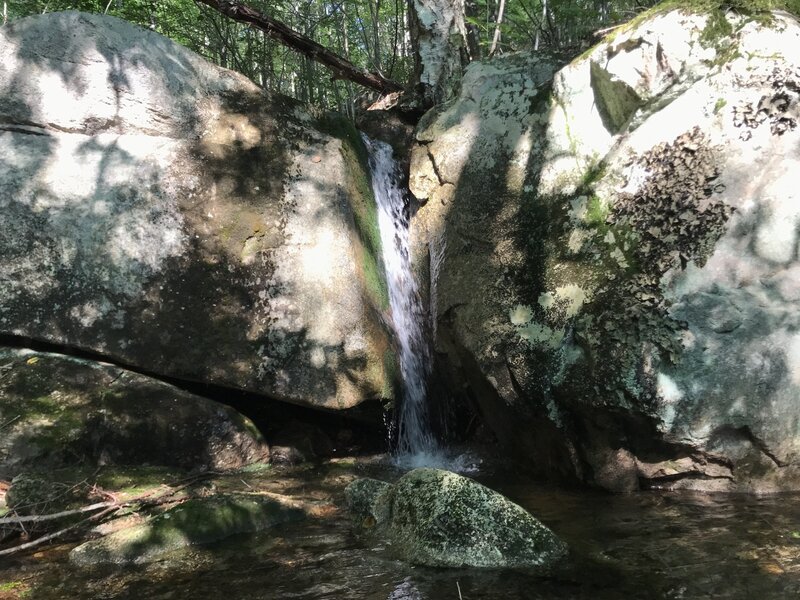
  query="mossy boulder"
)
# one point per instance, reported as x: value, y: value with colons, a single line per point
x: 49, y: 491
x: 60, y: 411
x: 630, y: 220
x: 39, y: 493
x: 366, y: 500
x: 171, y: 215
x: 438, y: 518
x: 196, y: 521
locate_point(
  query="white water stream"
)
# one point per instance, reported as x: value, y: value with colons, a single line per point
x: 416, y: 445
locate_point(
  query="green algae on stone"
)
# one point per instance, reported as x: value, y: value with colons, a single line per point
x: 62, y: 411
x: 364, y: 500
x: 196, y: 521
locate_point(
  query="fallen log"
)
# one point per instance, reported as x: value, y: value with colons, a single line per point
x: 340, y: 66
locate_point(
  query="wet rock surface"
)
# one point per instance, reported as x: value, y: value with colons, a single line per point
x: 196, y: 521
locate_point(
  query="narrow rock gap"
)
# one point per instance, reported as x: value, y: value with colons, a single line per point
x: 655, y: 483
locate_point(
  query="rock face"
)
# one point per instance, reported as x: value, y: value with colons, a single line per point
x: 167, y: 213
x: 631, y: 223
x: 441, y: 519
x: 59, y: 411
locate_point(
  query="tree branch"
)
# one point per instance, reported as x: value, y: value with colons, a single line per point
x: 341, y: 67
x: 143, y: 501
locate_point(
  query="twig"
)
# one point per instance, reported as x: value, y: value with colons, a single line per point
x: 605, y: 31
x: 49, y: 501
x: 8, y: 367
x: 459, y: 591
x: 58, y: 515
x: 9, y: 422
x: 56, y: 534
x: 144, y: 501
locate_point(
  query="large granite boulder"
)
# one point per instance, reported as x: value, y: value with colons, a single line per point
x: 441, y: 519
x: 631, y: 223
x: 169, y: 214
x: 59, y: 411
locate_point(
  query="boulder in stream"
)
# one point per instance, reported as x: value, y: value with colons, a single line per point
x: 59, y: 411
x: 196, y: 521
x: 437, y: 518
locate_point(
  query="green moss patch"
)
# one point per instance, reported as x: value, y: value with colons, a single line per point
x: 617, y: 101
x: 197, y: 521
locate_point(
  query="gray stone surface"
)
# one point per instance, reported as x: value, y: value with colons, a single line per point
x: 631, y: 223
x: 167, y: 213
x: 441, y: 519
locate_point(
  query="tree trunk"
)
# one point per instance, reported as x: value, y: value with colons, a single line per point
x: 438, y: 35
x: 473, y: 33
x: 496, y: 38
x: 341, y: 67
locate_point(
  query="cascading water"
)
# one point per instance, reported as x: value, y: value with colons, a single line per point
x: 415, y: 442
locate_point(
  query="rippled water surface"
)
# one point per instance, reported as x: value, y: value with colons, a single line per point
x: 649, y: 545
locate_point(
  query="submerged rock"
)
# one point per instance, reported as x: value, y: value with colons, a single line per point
x: 60, y: 411
x: 196, y: 521
x: 631, y: 223
x: 171, y: 215
x: 438, y: 518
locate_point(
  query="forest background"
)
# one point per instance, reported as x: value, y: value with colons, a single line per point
x: 375, y: 35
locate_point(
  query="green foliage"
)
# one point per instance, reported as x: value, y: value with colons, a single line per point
x: 374, y: 35
x: 370, y: 33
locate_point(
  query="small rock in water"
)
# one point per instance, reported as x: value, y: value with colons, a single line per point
x: 405, y: 590
x: 438, y: 518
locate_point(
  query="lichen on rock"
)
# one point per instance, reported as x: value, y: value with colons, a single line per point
x: 438, y: 518
x: 617, y: 224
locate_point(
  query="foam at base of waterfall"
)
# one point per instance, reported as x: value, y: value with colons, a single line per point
x: 465, y: 462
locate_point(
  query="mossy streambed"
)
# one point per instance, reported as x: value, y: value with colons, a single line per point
x: 646, y: 545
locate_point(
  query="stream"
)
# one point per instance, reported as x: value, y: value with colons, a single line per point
x: 644, y: 545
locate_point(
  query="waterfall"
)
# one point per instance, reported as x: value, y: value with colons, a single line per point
x: 416, y: 444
